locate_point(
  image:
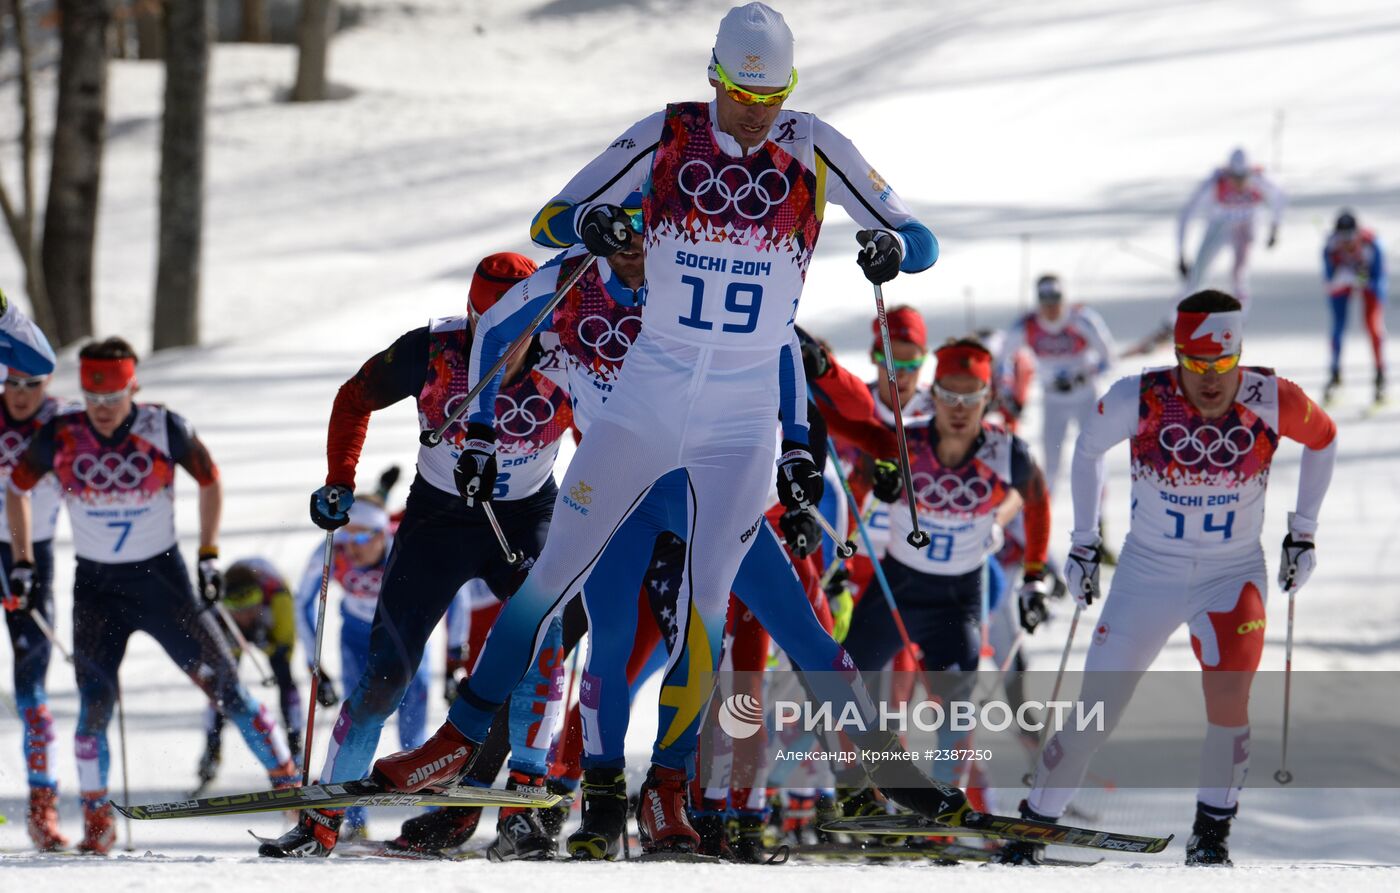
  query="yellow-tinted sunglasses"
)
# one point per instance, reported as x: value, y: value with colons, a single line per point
x: 748, y: 97
x: 1220, y: 365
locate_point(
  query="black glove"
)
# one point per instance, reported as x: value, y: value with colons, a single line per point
x: 211, y: 579
x: 476, y: 467
x: 801, y: 532
x: 21, y: 585
x: 326, y: 694
x: 387, y: 480
x: 880, y: 254
x: 1031, y: 598
x: 799, y: 480
x: 1182, y: 267
x: 330, y: 506
x: 605, y: 230
x: 815, y: 362
x: 887, y: 482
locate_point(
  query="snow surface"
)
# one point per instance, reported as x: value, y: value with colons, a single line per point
x: 1031, y: 136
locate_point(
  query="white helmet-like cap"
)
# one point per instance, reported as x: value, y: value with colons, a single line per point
x: 1238, y: 164
x: 754, y: 46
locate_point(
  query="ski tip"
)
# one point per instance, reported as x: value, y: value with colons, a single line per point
x: 129, y: 811
x: 1161, y: 843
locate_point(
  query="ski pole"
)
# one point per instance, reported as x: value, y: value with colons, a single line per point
x: 44, y: 627
x: 845, y: 548
x: 830, y: 572
x: 243, y: 646
x: 513, y: 558
x: 333, y: 499
x: 1283, y: 776
x: 917, y: 538
x: 431, y: 437
x: 121, y: 736
x: 1055, y: 692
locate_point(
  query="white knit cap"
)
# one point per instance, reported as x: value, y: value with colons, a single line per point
x: 754, y: 45
x: 366, y: 514
x: 1238, y: 164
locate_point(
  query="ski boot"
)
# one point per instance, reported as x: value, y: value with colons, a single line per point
x: 441, y: 830
x: 1023, y: 852
x: 604, y: 815
x: 553, y: 818
x: 799, y: 819
x: 711, y: 822
x: 43, y: 820
x: 519, y: 833
x: 315, y: 834
x: 1380, y: 387
x: 285, y: 776
x: 746, y: 838
x: 209, y: 761
x: 437, y: 763
x: 662, y: 821
x: 1208, y: 835
x: 826, y: 810
x: 1334, y: 384
x: 99, y: 829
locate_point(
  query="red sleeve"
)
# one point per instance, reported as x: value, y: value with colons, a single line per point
x: 25, y: 475
x: 199, y: 463
x: 1300, y: 419
x: 849, y: 409
x: 1037, y: 514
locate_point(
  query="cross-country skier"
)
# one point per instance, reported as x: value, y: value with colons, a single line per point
x: 115, y: 461
x: 1072, y: 348
x: 26, y: 407
x: 1202, y: 436
x: 441, y: 542
x: 1353, y: 263
x: 259, y: 600
x: 1228, y: 200
x: 735, y: 190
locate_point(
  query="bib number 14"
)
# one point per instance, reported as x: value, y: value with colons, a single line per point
x: 1224, y: 526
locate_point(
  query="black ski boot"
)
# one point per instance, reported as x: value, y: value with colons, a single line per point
x: 315, y: 834
x: 441, y: 830
x: 1023, y: 852
x: 604, y: 815
x: 519, y: 834
x: 1208, y: 835
x: 711, y: 822
x: 209, y: 761
x: 1380, y: 387
x: 746, y: 840
x: 1329, y: 393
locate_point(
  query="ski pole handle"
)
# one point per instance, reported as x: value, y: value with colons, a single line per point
x: 845, y: 548
x: 513, y: 558
x: 431, y: 437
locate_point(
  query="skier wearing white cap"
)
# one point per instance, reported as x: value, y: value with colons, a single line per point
x: 1228, y: 199
x: 734, y: 194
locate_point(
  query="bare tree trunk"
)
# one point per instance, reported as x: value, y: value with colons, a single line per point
x: 70, y: 221
x: 23, y: 227
x: 313, y: 49
x: 149, y: 17
x: 254, y: 21
x: 189, y: 33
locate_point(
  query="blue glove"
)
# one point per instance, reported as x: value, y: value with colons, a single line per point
x: 330, y: 506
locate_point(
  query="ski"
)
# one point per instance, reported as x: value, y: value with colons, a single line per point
x: 330, y: 796
x: 950, y: 853
x: 1000, y: 826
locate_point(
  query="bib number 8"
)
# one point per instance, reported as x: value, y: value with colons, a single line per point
x: 743, y: 299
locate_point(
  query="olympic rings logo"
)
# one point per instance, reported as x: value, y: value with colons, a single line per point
x: 12, y: 444
x: 113, y: 470
x: 606, y: 338
x: 524, y: 418
x: 716, y: 193
x: 1206, y: 444
x: 362, y: 582
x: 950, y: 491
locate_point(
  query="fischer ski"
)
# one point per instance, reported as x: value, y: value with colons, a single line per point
x: 331, y: 796
x: 999, y: 826
x: 949, y: 853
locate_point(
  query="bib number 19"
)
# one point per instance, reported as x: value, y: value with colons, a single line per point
x: 743, y: 300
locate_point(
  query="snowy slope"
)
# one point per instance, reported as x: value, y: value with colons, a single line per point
x: 1031, y: 136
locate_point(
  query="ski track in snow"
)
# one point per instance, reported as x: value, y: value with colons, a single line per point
x: 1056, y: 135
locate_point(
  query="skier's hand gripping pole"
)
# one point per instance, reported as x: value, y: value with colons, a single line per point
x: 333, y: 497
x: 917, y: 537
x: 431, y: 437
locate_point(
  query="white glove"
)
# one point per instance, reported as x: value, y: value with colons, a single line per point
x: 1299, y: 558
x: 1082, y: 568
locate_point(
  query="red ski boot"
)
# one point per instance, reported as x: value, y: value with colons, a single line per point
x: 99, y: 829
x: 43, y: 820
x: 437, y: 763
x: 662, y: 822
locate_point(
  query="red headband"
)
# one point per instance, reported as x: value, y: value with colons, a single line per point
x: 494, y: 277
x: 106, y: 376
x: 906, y: 324
x: 1209, y: 334
x: 963, y: 359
